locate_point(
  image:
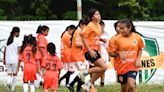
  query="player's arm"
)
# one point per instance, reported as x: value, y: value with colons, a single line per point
x: 138, y: 60
x: 19, y: 62
x: 41, y: 50
x: 38, y: 65
x: 113, y: 54
x: 78, y: 42
x: 91, y: 52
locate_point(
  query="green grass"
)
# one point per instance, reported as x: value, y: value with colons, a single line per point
x: 107, y: 88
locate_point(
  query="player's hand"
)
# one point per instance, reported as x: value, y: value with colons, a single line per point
x: 122, y: 57
x: 92, y: 53
x: 138, y: 63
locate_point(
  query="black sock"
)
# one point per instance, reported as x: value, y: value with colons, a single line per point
x: 74, y: 81
x: 64, y: 76
x: 68, y: 76
x: 80, y: 82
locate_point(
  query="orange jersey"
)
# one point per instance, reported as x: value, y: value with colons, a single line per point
x: 30, y: 66
x: 65, y: 49
x: 52, y: 65
x: 76, y: 52
x: 128, y: 47
x: 42, y: 42
x: 92, y: 33
x: 28, y: 56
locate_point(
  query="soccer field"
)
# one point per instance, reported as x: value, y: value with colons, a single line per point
x: 107, y: 88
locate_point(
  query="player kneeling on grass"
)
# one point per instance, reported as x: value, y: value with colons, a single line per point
x: 52, y: 67
x: 30, y: 58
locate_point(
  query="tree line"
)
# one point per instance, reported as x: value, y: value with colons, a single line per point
x: 67, y: 10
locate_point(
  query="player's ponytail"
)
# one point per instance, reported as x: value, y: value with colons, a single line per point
x: 23, y: 44
x: 39, y: 29
x: 29, y: 40
x: 11, y: 37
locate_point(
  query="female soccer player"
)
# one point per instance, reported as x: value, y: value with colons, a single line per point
x: 11, y: 57
x: 52, y: 68
x: 90, y: 37
x: 128, y: 47
x: 42, y: 42
x: 29, y: 56
x: 66, y: 52
x: 103, y: 49
x: 77, y: 56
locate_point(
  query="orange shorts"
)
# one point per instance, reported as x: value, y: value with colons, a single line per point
x: 29, y: 72
x: 51, y: 80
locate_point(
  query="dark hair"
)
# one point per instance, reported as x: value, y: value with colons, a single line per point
x: 41, y: 29
x: 83, y: 21
x: 129, y: 24
x: 29, y: 40
x: 51, y: 48
x: 115, y: 24
x: 90, y: 14
x: 11, y: 37
x: 68, y: 27
x: 72, y: 27
x: 102, y: 23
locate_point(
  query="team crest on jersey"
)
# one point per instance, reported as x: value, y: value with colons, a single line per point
x: 134, y: 42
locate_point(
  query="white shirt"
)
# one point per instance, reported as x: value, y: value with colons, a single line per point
x: 12, y: 51
x: 104, y: 53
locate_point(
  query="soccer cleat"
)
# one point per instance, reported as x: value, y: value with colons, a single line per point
x: 71, y: 89
x: 86, y: 86
x: 8, y: 88
x: 102, y: 84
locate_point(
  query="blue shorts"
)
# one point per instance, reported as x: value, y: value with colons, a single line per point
x: 131, y: 74
x: 88, y: 56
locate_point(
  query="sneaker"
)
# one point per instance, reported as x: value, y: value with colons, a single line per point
x: 8, y: 88
x: 59, y: 82
x: 71, y: 89
x: 79, y: 86
x: 102, y: 84
x: 41, y: 83
x: 86, y: 86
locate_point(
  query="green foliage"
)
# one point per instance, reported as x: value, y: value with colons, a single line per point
x: 52, y: 17
x: 62, y: 9
x: 9, y: 1
x: 41, y: 7
x: 1, y: 11
x: 29, y: 17
x: 157, y: 18
x: 134, y: 9
x: 70, y: 15
x: 3, y: 17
